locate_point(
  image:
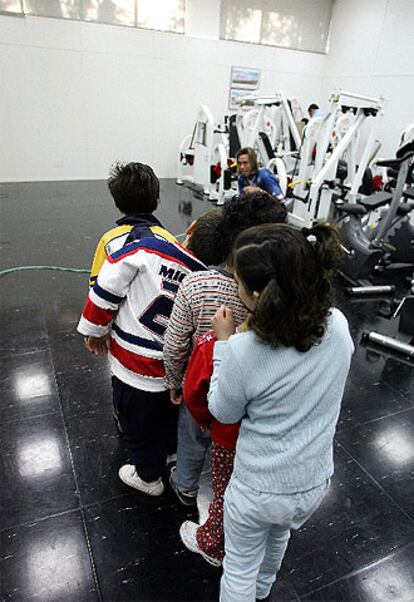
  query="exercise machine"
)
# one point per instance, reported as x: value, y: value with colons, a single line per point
x: 270, y: 119
x: 195, y: 151
x: 327, y: 140
x: 369, y: 247
x: 403, y: 346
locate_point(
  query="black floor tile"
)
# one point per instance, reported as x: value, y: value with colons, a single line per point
x: 388, y: 580
x: 355, y: 525
x: 28, y: 386
x: 83, y: 379
x: 47, y: 561
x: 98, y: 453
x: 85, y: 384
x: 400, y: 376
x: 366, y: 400
x: 23, y: 328
x: 385, y: 448
x: 36, y: 473
x: 282, y: 591
x: 134, y: 539
x: 61, y: 321
x: 40, y: 285
x: 139, y: 556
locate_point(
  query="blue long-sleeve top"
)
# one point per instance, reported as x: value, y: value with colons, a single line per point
x: 288, y: 402
x: 263, y: 178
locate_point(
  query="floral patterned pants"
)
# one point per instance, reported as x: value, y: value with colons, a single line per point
x: 210, y: 535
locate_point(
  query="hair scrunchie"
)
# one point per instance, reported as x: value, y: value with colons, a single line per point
x: 310, y: 235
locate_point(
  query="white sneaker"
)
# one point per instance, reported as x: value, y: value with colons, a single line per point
x: 188, y: 534
x: 128, y: 475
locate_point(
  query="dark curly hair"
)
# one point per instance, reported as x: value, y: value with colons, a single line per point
x: 291, y: 270
x: 205, y: 239
x: 245, y: 211
x: 135, y: 187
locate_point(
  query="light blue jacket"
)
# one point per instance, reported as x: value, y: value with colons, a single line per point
x: 288, y: 402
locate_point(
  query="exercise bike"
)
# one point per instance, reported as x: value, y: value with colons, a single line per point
x: 369, y: 247
x: 403, y: 346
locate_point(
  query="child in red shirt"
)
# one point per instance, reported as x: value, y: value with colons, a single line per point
x: 208, y: 539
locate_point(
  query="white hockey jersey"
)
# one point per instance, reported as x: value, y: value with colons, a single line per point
x: 132, y: 300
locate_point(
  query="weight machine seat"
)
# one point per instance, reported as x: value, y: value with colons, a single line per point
x: 409, y: 193
x: 403, y: 153
x: 393, y: 163
x: 405, y: 150
x: 376, y: 200
x: 352, y: 208
x: 405, y: 208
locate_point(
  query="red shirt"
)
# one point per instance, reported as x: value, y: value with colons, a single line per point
x: 196, y: 385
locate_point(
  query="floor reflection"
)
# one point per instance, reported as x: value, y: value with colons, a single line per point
x: 31, y: 384
x: 396, y: 445
x: 53, y: 566
x: 41, y: 457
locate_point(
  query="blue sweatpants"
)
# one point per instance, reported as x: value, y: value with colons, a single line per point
x: 256, y: 533
x: 192, y: 447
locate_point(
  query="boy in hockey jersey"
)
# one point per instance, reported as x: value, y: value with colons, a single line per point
x: 135, y: 189
x: 126, y: 314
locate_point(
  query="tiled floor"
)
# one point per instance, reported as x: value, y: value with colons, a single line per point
x: 71, y: 531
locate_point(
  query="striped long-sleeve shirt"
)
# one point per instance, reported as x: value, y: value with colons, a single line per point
x: 132, y: 300
x: 197, y: 300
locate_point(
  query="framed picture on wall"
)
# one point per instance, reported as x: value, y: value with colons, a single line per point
x: 244, y: 78
x: 236, y: 96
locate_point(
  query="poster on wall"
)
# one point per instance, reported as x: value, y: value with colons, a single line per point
x: 244, y: 78
x: 236, y: 96
x: 243, y: 81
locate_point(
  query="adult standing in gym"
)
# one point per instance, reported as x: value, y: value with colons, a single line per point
x: 252, y: 177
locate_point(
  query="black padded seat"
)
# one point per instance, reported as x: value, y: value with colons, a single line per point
x: 404, y: 153
x: 405, y: 208
x: 376, y: 200
x: 391, y: 163
x: 405, y: 150
x: 409, y: 193
x: 352, y: 208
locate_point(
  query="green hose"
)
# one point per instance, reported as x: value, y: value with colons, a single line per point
x: 43, y: 267
x: 54, y: 267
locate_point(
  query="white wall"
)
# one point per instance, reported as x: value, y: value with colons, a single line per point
x: 76, y: 96
x: 372, y: 52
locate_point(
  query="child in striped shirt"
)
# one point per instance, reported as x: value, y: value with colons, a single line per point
x: 197, y: 300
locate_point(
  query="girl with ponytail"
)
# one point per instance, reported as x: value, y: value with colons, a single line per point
x: 284, y: 379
